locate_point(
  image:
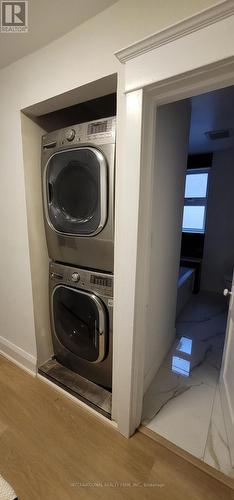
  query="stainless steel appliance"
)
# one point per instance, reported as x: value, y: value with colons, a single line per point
x: 78, y: 194
x: 82, y: 321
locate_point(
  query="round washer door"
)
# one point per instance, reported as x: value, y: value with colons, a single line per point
x: 76, y: 191
x: 80, y: 323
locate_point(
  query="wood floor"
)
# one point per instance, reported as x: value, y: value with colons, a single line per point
x: 52, y: 449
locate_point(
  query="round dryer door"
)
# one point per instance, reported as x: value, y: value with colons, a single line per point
x: 76, y: 191
x: 80, y: 323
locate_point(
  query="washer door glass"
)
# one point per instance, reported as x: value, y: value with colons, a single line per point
x: 80, y: 323
x: 76, y: 185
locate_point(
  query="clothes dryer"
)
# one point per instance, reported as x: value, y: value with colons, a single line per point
x: 78, y: 194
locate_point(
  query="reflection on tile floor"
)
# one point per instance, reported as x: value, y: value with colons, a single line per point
x: 183, y: 403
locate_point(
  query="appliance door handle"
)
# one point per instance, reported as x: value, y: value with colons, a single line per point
x: 96, y: 335
x: 50, y: 192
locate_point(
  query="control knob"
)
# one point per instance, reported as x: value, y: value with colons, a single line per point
x: 70, y: 134
x: 75, y: 277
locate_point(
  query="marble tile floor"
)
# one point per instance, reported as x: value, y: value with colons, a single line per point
x: 182, y: 403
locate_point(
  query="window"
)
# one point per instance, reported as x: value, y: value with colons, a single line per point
x: 195, y: 201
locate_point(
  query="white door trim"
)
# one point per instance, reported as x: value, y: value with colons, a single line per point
x: 127, y: 201
x: 226, y: 400
x: 138, y: 158
x: 207, y: 17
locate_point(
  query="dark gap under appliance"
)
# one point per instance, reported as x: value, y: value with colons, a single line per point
x: 89, y: 393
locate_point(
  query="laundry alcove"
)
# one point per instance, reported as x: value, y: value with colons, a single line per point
x: 92, y: 101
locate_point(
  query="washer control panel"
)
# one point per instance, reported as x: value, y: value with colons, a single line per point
x: 99, y: 283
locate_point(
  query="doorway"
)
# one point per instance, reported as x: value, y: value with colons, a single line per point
x: 194, y: 237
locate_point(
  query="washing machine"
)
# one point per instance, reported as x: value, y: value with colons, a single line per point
x: 81, y: 307
x: 78, y: 194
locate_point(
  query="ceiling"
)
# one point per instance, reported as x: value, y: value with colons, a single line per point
x: 47, y: 20
x: 212, y: 111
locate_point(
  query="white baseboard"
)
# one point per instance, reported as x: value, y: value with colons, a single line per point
x: 18, y: 356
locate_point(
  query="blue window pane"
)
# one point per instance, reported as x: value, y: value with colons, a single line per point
x: 196, y: 185
x: 194, y: 218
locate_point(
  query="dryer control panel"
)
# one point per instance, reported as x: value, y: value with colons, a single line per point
x: 96, y: 132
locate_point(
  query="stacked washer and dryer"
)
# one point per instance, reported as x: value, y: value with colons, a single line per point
x: 78, y: 195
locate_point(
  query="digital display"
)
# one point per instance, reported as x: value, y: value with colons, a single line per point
x: 96, y: 280
x: 98, y: 127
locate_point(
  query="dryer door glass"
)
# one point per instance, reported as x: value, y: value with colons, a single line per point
x: 76, y: 190
x: 80, y: 323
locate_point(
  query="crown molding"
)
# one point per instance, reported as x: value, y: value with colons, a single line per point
x: 194, y: 23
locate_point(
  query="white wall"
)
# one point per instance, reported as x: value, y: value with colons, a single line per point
x: 83, y: 55
x: 172, y: 136
x: 218, y: 257
x: 31, y: 140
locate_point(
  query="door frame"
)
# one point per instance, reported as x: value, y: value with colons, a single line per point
x: 224, y: 393
x: 137, y: 152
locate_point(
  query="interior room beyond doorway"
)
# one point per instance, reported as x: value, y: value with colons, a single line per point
x: 182, y: 400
